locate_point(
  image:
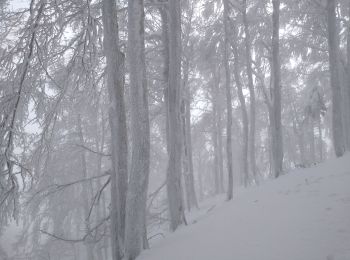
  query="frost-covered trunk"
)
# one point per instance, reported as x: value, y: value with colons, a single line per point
x: 276, y: 122
x: 347, y: 84
x: 229, y: 103
x: 186, y: 99
x: 200, y: 178
x: 241, y: 98
x: 312, y: 142
x: 174, y: 188
x: 99, y: 146
x: 140, y: 132
x: 252, y: 113
x: 217, y: 132
x: 86, y: 192
x: 215, y: 137
x: 320, y: 139
x: 117, y: 122
x: 187, y: 140
x: 165, y: 72
x: 189, y: 155
x: 220, y: 148
x: 299, y: 131
x: 333, y: 47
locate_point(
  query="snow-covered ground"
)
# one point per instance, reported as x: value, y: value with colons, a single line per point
x: 304, y: 215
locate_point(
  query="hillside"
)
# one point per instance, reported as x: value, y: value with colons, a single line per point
x: 304, y: 215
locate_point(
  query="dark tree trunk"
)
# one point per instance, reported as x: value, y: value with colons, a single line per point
x: 174, y: 188
x: 276, y: 122
x: 135, y: 227
x: 117, y: 121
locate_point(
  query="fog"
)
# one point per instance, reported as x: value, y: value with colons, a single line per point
x: 123, y: 122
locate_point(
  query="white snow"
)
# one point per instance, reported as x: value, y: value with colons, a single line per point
x: 304, y: 215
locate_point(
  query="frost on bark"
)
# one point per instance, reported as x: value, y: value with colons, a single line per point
x: 140, y: 132
x: 251, y: 91
x: 347, y: 84
x: 220, y: 148
x: 215, y: 136
x: 174, y: 188
x: 188, y: 172
x: 191, y: 196
x: 241, y: 98
x: 275, y: 120
x: 117, y: 121
x: 86, y: 190
x: 333, y: 47
x: 165, y: 73
x: 229, y: 104
x: 217, y: 132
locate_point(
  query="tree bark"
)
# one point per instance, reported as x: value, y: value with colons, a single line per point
x: 99, y: 146
x: 99, y: 212
x: 140, y: 131
x: 200, y: 178
x: 174, y: 188
x: 117, y: 121
x: 85, y: 190
x: 215, y: 137
x: 243, y: 108
x: 277, y: 141
x: 320, y: 139
x: 312, y: 142
x: 187, y: 140
x: 186, y: 95
x: 229, y: 103
x: 220, y: 149
x: 217, y: 133
x: 165, y: 72
x: 347, y: 85
x: 251, y: 91
x: 333, y: 47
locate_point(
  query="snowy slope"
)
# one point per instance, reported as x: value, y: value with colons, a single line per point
x: 304, y: 215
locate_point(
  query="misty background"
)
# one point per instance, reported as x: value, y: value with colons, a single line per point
x: 124, y: 121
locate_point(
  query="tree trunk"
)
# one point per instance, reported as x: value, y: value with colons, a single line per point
x: 320, y: 139
x: 347, y: 85
x: 220, y: 149
x: 165, y: 52
x: 194, y: 201
x: 277, y: 141
x: 215, y: 138
x: 333, y: 47
x: 117, y: 122
x: 140, y: 131
x: 174, y: 188
x: 144, y: 235
x: 187, y: 141
x: 312, y: 142
x: 99, y: 145
x: 229, y: 104
x: 200, y: 178
x: 217, y: 133
x: 85, y: 193
x: 251, y: 91
x: 243, y: 109
x: 299, y: 132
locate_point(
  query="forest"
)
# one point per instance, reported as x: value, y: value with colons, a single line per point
x: 120, y: 118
